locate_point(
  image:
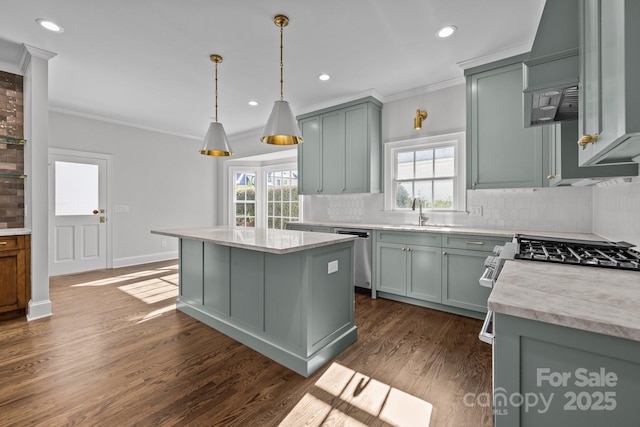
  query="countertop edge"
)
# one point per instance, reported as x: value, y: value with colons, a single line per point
x: 14, y: 232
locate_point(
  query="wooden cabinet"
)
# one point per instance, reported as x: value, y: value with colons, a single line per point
x: 501, y: 152
x: 341, y: 152
x: 428, y: 267
x: 609, y: 85
x: 14, y: 273
x: 563, y: 158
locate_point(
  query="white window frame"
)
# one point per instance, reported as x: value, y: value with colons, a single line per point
x: 392, y: 148
x: 261, y: 190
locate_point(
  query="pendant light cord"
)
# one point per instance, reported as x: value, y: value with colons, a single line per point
x: 281, y: 67
x: 216, y: 92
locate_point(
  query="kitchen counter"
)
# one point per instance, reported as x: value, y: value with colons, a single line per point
x: 451, y: 229
x: 14, y: 231
x: 258, y: 239
x: 593, y: 299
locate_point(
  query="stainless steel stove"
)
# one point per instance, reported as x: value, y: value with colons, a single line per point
x: 618, y: 255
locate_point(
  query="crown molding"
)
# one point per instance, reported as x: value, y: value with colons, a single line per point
x: 121, y: 123
x: 496, y: 56
x: 337, y: 101
x: 425, y: 89
x: 29, y: 52
x: 10, y: 68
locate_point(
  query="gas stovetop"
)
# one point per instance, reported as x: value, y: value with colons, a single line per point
x: 593, y: 253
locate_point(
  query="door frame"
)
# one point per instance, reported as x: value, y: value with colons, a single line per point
x: 108, y: 158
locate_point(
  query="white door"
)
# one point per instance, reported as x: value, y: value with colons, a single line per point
x: 78, y: 213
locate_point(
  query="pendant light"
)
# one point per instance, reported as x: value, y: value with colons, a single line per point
x: 215, y: 142
x: 281, y: 128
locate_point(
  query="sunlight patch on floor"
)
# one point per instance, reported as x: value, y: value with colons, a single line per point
x: 127, y: 277
x: 342, y: 389
x: 153, y: 290
x: 158, y: 312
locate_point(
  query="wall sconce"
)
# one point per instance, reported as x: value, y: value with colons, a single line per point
x: 417, y: 121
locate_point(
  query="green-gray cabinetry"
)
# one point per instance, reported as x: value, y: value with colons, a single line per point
x: 563, y: 158
x: 609, y: 84
x: 463, y: 259
x: 435, y: 270
x: 501, y: 152
x: 551, y: 375
x: 341, y: 152
x: 409, y: 264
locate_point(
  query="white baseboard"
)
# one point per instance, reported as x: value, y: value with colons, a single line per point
x: 144, y: 259
x: 39, y: 309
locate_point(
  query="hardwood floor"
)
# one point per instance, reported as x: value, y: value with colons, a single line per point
x: 116, y: 352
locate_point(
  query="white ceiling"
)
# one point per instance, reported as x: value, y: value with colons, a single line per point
x: 146, y: 62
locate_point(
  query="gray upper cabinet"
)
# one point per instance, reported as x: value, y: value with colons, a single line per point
x: 609, y: 84
x: 341, y: 152
x: 501, y: 152
x: 563, y: 159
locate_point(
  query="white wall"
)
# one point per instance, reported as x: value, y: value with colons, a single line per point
x: 162, y: 178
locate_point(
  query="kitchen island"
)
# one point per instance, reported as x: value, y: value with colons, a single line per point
x: 286, y: 294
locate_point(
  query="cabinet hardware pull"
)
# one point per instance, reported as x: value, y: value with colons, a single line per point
x: 444, y: 253
x: 408, y: 249
x: 475, y: 243
x: 3, y: 243
x: 551, y: 176
x: 587, y: 139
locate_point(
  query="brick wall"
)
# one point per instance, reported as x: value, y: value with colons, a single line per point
x: 11, y: 156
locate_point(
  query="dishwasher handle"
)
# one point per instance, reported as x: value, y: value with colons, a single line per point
x: 360, y: 234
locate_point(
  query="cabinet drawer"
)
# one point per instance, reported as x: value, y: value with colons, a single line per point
x: 314, y: 228
x: 8, y: 243
x: 472, y: 242
x: 409, y: 238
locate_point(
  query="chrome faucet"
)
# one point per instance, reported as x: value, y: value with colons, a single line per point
x: 422, y: 220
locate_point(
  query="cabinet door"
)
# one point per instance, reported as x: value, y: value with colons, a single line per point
x: 333, y: 152
x: 391, y: 268
x: 309, y: 160
x: 461, y: 270
x: 357, y: 156
x: 424, y: 273
x: 610, y: 89
x: 12, y: 280
x: 503, y: 153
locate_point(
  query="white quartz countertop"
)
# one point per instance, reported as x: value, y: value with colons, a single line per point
x: 14, y: 231
x: 451, y: 229
x: 258, y: 239
x: 600, y: 300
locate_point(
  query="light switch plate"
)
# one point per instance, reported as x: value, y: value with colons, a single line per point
x: 332, y: 267
x: 475, y: 210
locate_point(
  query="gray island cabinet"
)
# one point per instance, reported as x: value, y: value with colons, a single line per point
x: 286, y: 294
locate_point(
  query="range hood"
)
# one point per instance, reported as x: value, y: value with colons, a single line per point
x: 551, y: 72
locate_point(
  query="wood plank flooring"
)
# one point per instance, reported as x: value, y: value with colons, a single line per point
x: 116, y: 352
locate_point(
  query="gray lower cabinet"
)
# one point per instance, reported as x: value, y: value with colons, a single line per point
x: 609, y: 86
x: 341, y: 152
x: 551, y: 375
x: 441, y: 270
x: 501, y: 152
x: 409, y: 270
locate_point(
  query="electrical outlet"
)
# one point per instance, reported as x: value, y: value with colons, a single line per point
x: 332, y: 267
x: 475, y: 210
x: 163, y: 244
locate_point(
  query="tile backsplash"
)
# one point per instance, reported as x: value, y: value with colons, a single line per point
x: 544, y: 209
x: 616, y: 210
x: 11, y: 156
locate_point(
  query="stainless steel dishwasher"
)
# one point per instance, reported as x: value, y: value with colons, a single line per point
x: 362, y: 255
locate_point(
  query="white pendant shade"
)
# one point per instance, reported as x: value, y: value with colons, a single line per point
x: 215, y: 142
x: 282, y: 128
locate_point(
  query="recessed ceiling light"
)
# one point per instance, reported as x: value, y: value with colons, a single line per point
x: 50, y: 25
x: 324, y: 77
x: 446, y: 31
x: 253, y: 103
